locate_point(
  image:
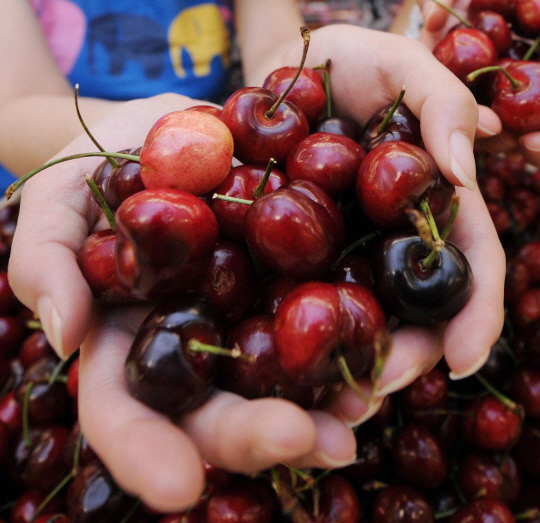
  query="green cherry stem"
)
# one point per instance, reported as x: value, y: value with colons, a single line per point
x: 326, y: 73
x: 348, y: 378
x: 259, y: 190
x: 14, y: 186
x: 454, y: 208
x: 422, y: 227
x: 424, y: 206
x: 231, y: 199
x: 102, y: 202
x: 34, y: 325
x: 25, y: 414
x: 531, y: 49
x: 507, y: 402
x: 132, y: 511
x: 446, y: 513
x: 384, y: 124
x: 112, y: 161
x: 53, y: 494
x: 358, y: 243
x: 304, y: 31
x: 516, y: 84
x: 532, y: 514
x: 447, y: 8
x: 195, y: 345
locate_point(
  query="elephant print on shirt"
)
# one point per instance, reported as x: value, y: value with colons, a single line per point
x: 129, y: 37
x: 202, y: 33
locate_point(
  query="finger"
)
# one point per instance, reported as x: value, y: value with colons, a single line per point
x: 489, y: 124
x: 148, y: 456
x: 436, y: 17
x: 55, y: 216
x: 470, y: 335
x: 504, y: 142
x: 530, y: 148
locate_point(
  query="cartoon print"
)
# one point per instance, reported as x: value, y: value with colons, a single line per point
x: 64, y: 25
x: 201, y: 32
x: 129, y: 37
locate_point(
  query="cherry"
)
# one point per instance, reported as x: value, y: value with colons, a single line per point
x: 527, y: 344
x: 93, y: 497
x: 241, y: 502
x: 496, y: 27
x: 503, y: 7
x: 102, y: 177
x: 126, y: 178
x: 519, y: 49
x: 529, y: 255
x: 403, y: 127
x: 527, y: 450
x: 230, y: 282
x: 158, y: 232
x: 318, y: 325
x: 86, y: 454
x: 40, y: 465
x: 240, y: 183
x: 527, y: 307
x: 10, y: 413
x: 353, y: 268
x: 47, y: 402
x: 5, y: 435
x: 492, y: 425
x: 55, y: 518
x: 27, y: 504
x: 498, y: 366
x: 72, y: 384
x: 418, y: 457
x: 429, y: 391
x: 483, y: 510
x: 160, y: 370
x: 307, y: 94
x: 415, y: 294
x: 12, y: 334
x: 464, y: 51
x: 186, y: 150
x: 263, y: 376
x: 296, y: 230
x: 517, y: 279
x: 370, y: 461
x: 528, y: 16
x: 493, y: 188
x: 487, y: 476
x: 337, y: 502
x: 328, y: 160
x: 339, y: 125
x: 209, y: 109
x: 396, y: 175
x: 8, y: 221
x: 528, y: 502
x: 383, y: 417
x: 525, y: 389
x: 8, y: 301
x: 35, y: 347
x: 96, y: 260
x: 500, y: 217
x: 524, y: 206
x: 401, y: 504
x: 193, y: 516
x: 508, y: 168
x: 272, y: 292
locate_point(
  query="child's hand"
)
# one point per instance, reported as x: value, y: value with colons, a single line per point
x: 148, y: 455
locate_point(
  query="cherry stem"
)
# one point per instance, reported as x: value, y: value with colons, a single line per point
x: 532, y: 513
x: 354, y: 245
x: 438, y: 243
x: 77, y: 454
x: 466, y: 23
x: 516, y: 84
x: 374, y: 485
x: 53, y: 494
x: 112, y: 161
x: 454, y: 208
x: 132, y: 511
x: 446, y: 513
x: 531, y: 49
x: 14, y: 186
x: 383, y: 347
x: 304, y: 31
x: 102, y: 202
x: 384, y: 124
x: 307, y: 478
x: 34, y: 325
x: 232, y: 199
x: 195, y: 345
x: 326, y: 72
x: 422, y: 226
x: 507, y: 402
x: 465, y: 397
x: 348, y: 378
x: 441, y: 412
x: 504, y: 344
x: 259, y: 190
x: 25, y: 414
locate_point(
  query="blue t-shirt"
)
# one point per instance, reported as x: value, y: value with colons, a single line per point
x: 125, y: 49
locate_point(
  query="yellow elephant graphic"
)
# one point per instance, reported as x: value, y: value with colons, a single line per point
x: 202, y: 32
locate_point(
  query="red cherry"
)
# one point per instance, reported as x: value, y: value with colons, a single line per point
x: 208, y: 109
x: 54, y: 518
x: 429, y: 391
x: 508, y: 168
x: 527, y: 308
x: 296, y: 230
x: 72, y: 384
x: 35, y: 347
x: 186, y: 150
x: 126, y: 178
x: 307, y: 93
x: 493, y: 188
x: 496, y: 27
x: 316, y: 320
x: 517, y: 279
x: 491, y: 425
x: 529, y: 255
x: 524, y: 206
x: 272, y: 292
x: 526, y: 344
x: 464, y: 51
x: 401, y: 504
x: 483, y: 510
x: 12, y: 334
x: 396, y: 175
x: 503, y: 7
x: 525, y: 388
x: 328, y: 160
x: 158, y: 232
x: 500, y: 217
x: 10, y: 413
x: 528, y: 450
x: 27, y: 504
x: 262, y: 377
x: 528, y: 16
x: 8, y: 301
x: 488, y: 476
x: 240, y: 183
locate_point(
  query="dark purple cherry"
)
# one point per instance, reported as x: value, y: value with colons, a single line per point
x: 517, y: 279
x: 27, y: 504
x: 415, y: 294
x: 339, y: 125
x: 429, y: 391
x: 86, y: 454
x: 159, y: 369
x: 525, y: 389
x: 528, y: 449
x: 526, y: 345
x: 370, y: 461
x: 401, y: 504
x: 8, y: 301
x: 12, y: 334
x: 483, y: 510
x: 35, y: 347
x: 353, y: 268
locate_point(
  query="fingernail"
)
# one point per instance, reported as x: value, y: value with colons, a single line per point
x: 462, y: 160
x: 471, y: 370
x: 51, y: 323
x: 531, y: 142
x: 487, y: 131
x: 403, y: 380
x: 373, y: 407
x: 332, y: 463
